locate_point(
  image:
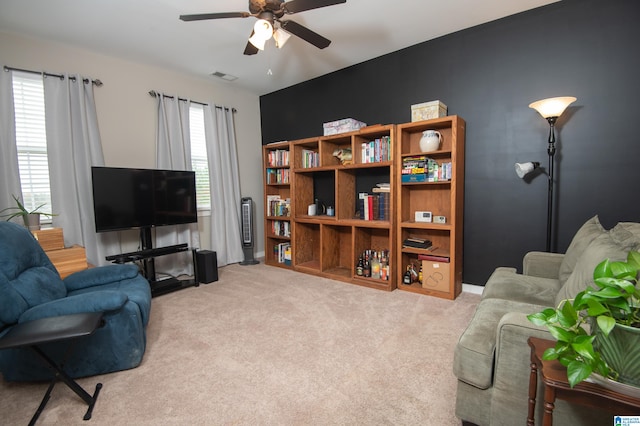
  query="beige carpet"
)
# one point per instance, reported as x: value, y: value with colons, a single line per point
x: 268, y: 346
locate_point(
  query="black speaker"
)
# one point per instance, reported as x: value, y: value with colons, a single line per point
x: 206, y: 266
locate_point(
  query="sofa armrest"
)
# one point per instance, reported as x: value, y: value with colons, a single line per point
x: 512, y: 367
x: 99, y: 276
x: 542, y: 264
x: 97, y: 301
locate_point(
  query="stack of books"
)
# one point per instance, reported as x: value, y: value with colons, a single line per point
x: 277, y: 206
x: 375, y: 206
x: 416, y: 242
x: 423, y: 169
x: 278, y: 158
x: 377, y: 150
x: 282, y: 253
x: 310, y: 159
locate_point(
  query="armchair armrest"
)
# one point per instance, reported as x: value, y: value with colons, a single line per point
x: 100, y: 276
x: 542, y: 264
x: 97, y: 301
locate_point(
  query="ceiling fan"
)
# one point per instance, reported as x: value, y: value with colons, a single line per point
x: 269, y: 24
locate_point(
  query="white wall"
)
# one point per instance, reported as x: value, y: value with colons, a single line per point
x: 127, y: 113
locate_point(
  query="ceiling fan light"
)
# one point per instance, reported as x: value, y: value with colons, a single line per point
x: 257, y: 41
x: 263, y: 29
x: 281, y: 37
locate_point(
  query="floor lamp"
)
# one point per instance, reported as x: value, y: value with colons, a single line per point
x: 550, y: 109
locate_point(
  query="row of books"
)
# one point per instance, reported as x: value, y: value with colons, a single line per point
x: 281, y: 228
x: 282, y: 253
x: 310, y: 159
x: 424, y: 169
x: 374, y: 206
x: 377, y: 150
x: 278, y: 158
x: 277, y: 176
x: 277, y: 206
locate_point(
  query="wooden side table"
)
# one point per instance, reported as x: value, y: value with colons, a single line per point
x: 556, y: 385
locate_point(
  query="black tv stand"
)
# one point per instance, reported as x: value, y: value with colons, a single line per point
x: 147, y: 255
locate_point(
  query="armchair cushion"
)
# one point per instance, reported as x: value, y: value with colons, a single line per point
x: 613, y: 245
x: 588, y: 232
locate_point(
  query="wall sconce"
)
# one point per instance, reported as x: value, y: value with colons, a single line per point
x: 550, y: 109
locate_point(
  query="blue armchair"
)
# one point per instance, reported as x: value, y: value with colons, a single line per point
x: 31, y: 288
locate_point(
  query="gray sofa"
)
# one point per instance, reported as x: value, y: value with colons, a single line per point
x: 491, y: 359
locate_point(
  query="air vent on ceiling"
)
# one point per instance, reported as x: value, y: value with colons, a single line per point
x: 227, y: 77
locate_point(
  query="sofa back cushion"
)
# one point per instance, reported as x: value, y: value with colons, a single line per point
x: 591, y: 230
x: 27, y: 276
x: 613, y: 245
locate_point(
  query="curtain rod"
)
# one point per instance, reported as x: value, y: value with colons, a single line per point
x: 154, y: 94
x: 97, y: 82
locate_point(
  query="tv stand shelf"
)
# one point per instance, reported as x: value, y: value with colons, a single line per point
x: 147, y: 253
x: 147, y: 256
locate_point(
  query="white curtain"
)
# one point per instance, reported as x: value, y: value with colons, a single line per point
x: 224, y: 180
x: 173, y: 152
x: 73, y: 146
x: 9, y: 173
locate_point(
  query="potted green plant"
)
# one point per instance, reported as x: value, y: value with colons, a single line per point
x: 31, y: 218
x: 586, y: 327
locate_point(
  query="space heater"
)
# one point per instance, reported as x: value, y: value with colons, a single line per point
x: 246, y: 209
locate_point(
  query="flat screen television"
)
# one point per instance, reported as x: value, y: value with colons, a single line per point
x: 125, y: 198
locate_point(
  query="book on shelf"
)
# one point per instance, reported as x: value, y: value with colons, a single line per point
x: 415, y: 242
x: 277, y: 176
x: 278, y: 158
x: 310, y: 159
x: 282, y: 253
x: 277, y: 206
x: 376, y: 151
x: 435, y: 254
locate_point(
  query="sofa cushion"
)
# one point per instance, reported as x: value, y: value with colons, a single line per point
x: 474, y: 353
x: 587, y: 233
x: 613, y: 245
x: 506, y: 284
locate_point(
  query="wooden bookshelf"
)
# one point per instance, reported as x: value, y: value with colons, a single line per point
x: 441, y: 198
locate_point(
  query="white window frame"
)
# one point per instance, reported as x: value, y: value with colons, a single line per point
x: 199, y: 162
x: 31, y: 142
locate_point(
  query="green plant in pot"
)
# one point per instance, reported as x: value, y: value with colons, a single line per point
x: 31, y: 218
x: 586, y: 327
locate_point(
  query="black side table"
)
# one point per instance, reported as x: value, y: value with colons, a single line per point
x: 34, y: 333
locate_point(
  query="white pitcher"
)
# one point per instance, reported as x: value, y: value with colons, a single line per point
x: 430, y: 140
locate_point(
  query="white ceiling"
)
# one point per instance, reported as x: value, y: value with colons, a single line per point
x: 149, y: 31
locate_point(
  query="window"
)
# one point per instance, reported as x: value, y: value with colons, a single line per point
x: 199, y: 156
x: 31, y: 140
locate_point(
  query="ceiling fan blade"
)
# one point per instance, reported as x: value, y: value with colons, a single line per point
x: 295, y: 6
x: 305, y: 33
x: 250, y: 49
x: 203, y: 16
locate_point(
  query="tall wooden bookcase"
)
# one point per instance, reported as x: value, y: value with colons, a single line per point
x: 443, y: 197
x: 330, y: 246
x: 278, y: 226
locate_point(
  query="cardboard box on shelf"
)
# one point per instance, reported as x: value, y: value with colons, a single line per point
x: 435, y: 275
x: 428, y: 110
x: 342, y: 126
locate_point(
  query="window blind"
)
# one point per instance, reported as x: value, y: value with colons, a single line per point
x: 199, y: 156
x: 31, y: 140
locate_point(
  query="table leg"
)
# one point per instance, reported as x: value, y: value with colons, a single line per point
x: 533, y: 388
x: 549, y: 405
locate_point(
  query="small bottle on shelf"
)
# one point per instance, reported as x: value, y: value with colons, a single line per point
x: 367, y: 265
x: 375, y: 266
x: 360, y: 267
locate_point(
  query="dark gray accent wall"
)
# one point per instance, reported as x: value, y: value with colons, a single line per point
x: 488, y: 75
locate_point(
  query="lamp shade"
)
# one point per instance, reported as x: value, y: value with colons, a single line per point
x: 523, y: 169
x: 281, y: 37
x: 257, y: 41
x: 552, y: 107
x: 263, y: 29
